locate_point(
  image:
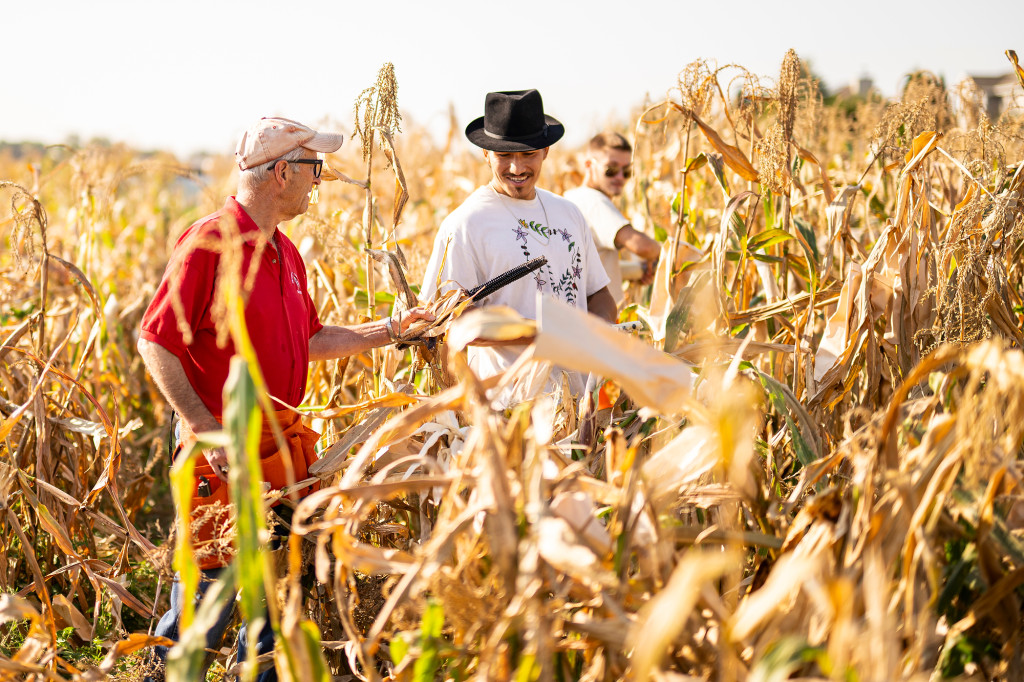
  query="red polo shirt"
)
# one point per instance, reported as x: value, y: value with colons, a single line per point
x: 279, y: 313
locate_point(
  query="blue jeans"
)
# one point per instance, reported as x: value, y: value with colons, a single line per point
x: 168, y: 627
x: 168, y: 624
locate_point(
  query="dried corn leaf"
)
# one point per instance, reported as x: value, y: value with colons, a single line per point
x: 836, y: 338
x: 784, y: 583
x: 694, y: 452
x: 1018, y: 70
x: 579, y: 510
x: 557, y: 544
x: 493, y: 323
x: 16, y: 608
x: 826, y: 185
x: 389, y: 401
x: 735, y: 159
x: 575, y: 340
x: 922, y: 146
x: 73, y: 617
x: 330, y: 173
x: 663, y: 617
x: 333, y: 458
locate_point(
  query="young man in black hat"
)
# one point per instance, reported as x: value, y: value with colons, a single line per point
x: 510, y: 221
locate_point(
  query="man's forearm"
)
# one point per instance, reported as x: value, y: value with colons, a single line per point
x: 338, y: 342
x: 603, y: 305
x: 333, y: 342
x: 169, y: 375
x: 637, y: 242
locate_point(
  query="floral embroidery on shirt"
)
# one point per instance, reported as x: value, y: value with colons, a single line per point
x: 542, y: 230
x: 565, y: 286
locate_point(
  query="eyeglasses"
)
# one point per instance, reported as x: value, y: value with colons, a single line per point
x: 318, y: 164
x: 612, y: 171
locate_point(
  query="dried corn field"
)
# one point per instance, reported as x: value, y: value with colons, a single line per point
x: 806, y: 465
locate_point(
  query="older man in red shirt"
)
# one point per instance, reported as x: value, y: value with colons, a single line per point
x: 280, y: 165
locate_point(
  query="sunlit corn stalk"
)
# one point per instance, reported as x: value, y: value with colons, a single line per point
x: 29, y: 217
x: 376, y: 108
x: 694, y: 84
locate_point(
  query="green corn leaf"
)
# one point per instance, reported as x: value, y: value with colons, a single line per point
x: 185, y: 660
x: 786, y: 657
x: 734, y: 256
x: 243, y: 423
x: 184, y: 554
x: 766, y: 258
x: 529, y: 670
x: 430, y: 635
x: 717, y: 166
x: 768, y: 201
x: 311, y: 640
x: 399, y: 649
x: 786, y: 405
x: 762, y: 240
x: 360, y: 298
x: 696, y: 162
x: 807, y: 232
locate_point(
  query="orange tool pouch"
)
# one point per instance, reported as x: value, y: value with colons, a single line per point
x: 212, y: 527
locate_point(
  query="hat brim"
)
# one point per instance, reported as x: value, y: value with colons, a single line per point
x: 477, y: 135
x: 324, y: 142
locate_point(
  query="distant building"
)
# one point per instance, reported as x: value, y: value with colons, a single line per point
x: 862, y: 87
x: 1000, y: 93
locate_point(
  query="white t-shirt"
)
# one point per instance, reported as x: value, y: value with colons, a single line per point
x: 491, y: 233
x: 605, y: 221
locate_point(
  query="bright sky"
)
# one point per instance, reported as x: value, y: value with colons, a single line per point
x: 192, y: 75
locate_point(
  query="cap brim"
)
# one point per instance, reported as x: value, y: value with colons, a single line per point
x: 324, y: 142
x: 476, y: 134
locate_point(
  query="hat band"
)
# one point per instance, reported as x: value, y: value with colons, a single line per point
x: 543, y: 133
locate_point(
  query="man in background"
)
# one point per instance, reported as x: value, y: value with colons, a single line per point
x: 607, y: 167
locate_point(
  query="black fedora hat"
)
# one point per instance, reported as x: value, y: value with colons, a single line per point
x: 514, y: 122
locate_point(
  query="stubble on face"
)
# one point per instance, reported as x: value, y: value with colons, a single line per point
x: 515, y: 174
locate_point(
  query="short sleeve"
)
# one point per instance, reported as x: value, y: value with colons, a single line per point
x: 194, y: 275
x: 453, y: 263
x: 597, y: 278
x: 601, y: 214
x: 314, y: 317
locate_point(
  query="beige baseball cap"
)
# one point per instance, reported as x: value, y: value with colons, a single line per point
x: 273, y: 137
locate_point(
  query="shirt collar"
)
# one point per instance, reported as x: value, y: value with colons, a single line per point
x: 242, y: 219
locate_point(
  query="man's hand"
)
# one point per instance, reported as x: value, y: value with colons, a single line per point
x: 637, y: 242
x: 218, y: 459
x: 403, y: 319
x: 167, y: 372
x: 650, y: 269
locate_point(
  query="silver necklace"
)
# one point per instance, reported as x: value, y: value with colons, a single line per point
x: 502, y: 197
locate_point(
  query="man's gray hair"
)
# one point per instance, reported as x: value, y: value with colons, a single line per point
x: 252, y: 178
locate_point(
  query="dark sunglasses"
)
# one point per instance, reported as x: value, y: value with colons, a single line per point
x: 612, y: 171
x: 318, y: 164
